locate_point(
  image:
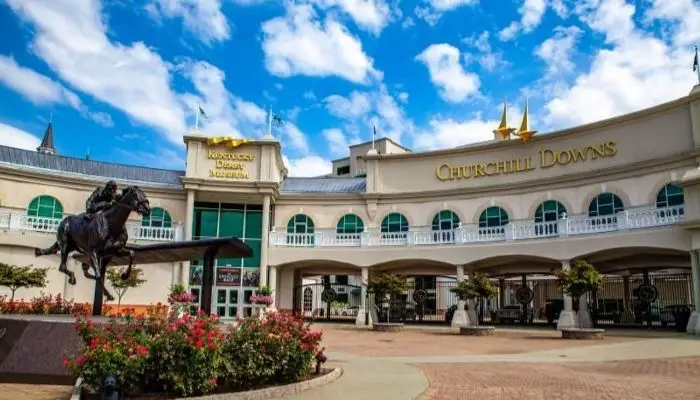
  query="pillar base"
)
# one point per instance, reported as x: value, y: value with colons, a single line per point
x: 459, y: 319
x: 361, y: 318
x: 472, y: 319
x: 694, y: 323
x: 567, y: 319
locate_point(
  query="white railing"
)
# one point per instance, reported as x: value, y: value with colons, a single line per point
x: 637, y: 218
x: 22, y: 222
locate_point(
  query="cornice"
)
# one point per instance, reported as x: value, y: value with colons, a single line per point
x: 544, y: 137
x: 76, y: 182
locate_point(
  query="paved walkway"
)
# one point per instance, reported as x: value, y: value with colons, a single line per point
x: 429, y: 364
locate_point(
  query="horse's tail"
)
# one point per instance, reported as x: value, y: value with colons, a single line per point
x: 51, y: 250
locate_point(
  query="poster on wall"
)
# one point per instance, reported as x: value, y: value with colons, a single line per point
x: 226, y: 276
x: 196, y: 272
x: 251, y: 277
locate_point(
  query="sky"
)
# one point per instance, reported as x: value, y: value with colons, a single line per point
x: 121, y: 79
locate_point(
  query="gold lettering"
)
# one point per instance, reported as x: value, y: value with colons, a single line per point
x: 479, y: 171
x: 495, y: 169
x: 544, y: 160
x: 502, y: 167
x: 222, y: 173
x: 438, y: 173
x: 611, y: 148
x: 528, y: 164
x: 466, y: 171
x: 598, y: 151
x: 579, y: 154
x: 455, y: 172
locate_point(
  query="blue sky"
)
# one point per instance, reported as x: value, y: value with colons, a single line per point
x: 121, y: 78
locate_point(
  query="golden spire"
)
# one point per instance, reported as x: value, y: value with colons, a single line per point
x: 524, y: 132
x: 503, y: 128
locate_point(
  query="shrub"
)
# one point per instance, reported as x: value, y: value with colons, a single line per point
x: 278, y: 350
x: 42, y: 304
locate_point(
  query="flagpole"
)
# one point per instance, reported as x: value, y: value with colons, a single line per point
x: 374, y: 133
x: 269, y: 121
x: 697, y: 65
x: 196, y: 118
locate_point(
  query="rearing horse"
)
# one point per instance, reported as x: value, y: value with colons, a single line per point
x: 99, y: 237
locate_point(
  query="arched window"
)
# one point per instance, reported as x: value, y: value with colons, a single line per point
x: 394, y: 222
x: 46, y: 207
x: 493, y: 217
x: 605, y: 204
x: 158, y: 218
x: 350, y: 223
x: 303, y: 228
x: 669, y: 196
x: 445, y: 222
x: 547, y: 215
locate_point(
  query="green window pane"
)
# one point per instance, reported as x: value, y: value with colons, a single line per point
x: 253, y: 261
x: 445, y: 220
x: 669, y: 196
x: 350, y: 223
x: 605, y: 204
x: 205, y: 223
x: 550, y: 210
x: 158, y: 218
x: 231, y: 223
x: 300, y: 223
x: 394, y: 222
x: 493, y: 217
x: 253, y: 224
x: 45, y: 206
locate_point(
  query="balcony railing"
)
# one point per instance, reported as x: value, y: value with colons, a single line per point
x: 23, y: 222
x: 637, y: 218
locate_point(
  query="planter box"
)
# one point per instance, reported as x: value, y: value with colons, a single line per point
x: 583, y: 334
x: 477, y: 330
x: 387, y: 327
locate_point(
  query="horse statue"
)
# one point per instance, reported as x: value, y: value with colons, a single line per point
x: 100, y: 236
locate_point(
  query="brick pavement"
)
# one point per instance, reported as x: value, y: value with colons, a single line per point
x: 443, y: 342
x: 676, y: 379
x: 13, y: 391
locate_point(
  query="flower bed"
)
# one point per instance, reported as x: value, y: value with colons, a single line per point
x: 161, y: 353
x: 43, y: 304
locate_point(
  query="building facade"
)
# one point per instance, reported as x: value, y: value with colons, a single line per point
x: 623, y: 194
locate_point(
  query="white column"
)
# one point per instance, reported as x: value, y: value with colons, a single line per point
x: 566, y: 317
x: 694, y: 322
x: 362, y: 312
x: 189, y: 219
x: 264, y: 242
x: 273, y: 285
x: 460, y: 317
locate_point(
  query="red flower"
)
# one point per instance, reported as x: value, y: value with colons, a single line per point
x: 199, y: 344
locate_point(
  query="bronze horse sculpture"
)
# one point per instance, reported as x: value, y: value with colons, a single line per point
x: 100, y: 237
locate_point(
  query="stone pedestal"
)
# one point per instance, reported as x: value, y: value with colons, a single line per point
x: 459, y: 319
x: 477, y: 330
x: 694, y: 323
x: 567, y: 319
x: 362, y: 317
x: 583, y: 334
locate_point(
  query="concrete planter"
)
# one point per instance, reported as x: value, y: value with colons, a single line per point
x: 387, y: 327
x: 477, y: 330
x: 583, y: 334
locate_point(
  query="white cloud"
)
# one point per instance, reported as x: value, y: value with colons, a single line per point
x: 557, y: 50
x: 308, y: 166
x: 638, y: 71
x: 201, y: 17
x: 434, y: 9
x: 559, y: 8
x: 357, y: 105
x: 70, y: 37
x: 371, y: 15
x: 685, y: 13
x: 446, y: 72
x: 14, y: 137
x: 403, y: 97
x: 446, y: 133
x: 295, y: 138
x: 300, y: 44
x: 531, y: 13
x: 487, y: 58
x: 337, y: 142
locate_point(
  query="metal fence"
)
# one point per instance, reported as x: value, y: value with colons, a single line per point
x: 331, y: 302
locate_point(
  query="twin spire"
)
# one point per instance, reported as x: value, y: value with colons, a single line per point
x: 524, y: 132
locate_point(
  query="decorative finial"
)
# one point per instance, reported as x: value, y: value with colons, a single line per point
x: 503, y: 128
x: 524, y: 132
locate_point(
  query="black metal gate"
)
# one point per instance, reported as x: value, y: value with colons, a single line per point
x: 428, y: 300
x: 332, y: 302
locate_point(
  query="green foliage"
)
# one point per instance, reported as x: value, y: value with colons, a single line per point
x: 265, y: 291
x: 478, y: 286
x: 388, y: 284
x: 15, y: 277
x: 581, y: 278
x: 114, y: 276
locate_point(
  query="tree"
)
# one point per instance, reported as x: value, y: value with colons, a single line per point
x: 477, y: 287
x: 387, y: 284
x: 578, y: 280
x: 114, y: 276
x: 15, y: 277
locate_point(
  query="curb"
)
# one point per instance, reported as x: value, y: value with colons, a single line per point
x: 260, y: 394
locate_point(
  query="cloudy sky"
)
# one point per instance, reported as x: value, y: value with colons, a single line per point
x: 122, y: 78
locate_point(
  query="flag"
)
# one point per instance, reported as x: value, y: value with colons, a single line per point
x: 276, y: 120
x: 695, y: 62
x: 201, y: 112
